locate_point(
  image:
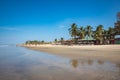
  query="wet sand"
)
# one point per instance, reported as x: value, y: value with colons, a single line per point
x: 18, y: 63
x: 102, y: 52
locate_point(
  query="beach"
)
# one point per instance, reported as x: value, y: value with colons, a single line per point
x: 103, y: 52
x: 19, y: 63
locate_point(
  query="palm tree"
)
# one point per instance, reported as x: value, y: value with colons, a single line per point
x: 88, y: 32
x: 81, y: 32
x: 117, y: 28
x: 73, y: 31
x: 105, y: 37
x: 42, y: 41
x: 55, y: 40
x: 98, y: 34
x: 30, y: 42
x: 111, y: 34
x: 35, y: 42
x: 27, y: 42
x: 61, y: 40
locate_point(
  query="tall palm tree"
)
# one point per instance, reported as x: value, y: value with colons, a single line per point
x: 74, y: 31
x: 98, y: 34
x: 42, y: 41
x: 111, y: 33
x: 117, y: 28
x: 27, y: 42
x: 35, y: 42
x: 55, y: 40
x: 105, y: 37
x: 89, y: 31
x: 81, y: 32
x: 61, y: 40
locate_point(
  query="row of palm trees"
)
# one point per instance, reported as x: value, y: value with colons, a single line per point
x: 61, y: 40
x: 99, y: 34
x: 35, y: 42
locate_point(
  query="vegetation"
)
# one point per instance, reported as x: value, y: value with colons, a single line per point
x: 61, y: 40
x: 35, y: 42
x: 81, y: 33
x: 101, y: 35
x: 73, y: 30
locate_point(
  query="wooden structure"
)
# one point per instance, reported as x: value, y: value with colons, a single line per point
x: 117, y: 29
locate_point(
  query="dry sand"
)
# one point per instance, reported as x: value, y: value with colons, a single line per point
x: 102, y: 52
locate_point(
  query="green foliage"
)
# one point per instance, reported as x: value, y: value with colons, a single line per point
x: 117, y: 28
x: 88, y: 31
x: 35, y: 42
x: 73, y: 30
x: 100, y: 34
x: 81, y: 33
x: 111, y: 33
x: 55, y: 40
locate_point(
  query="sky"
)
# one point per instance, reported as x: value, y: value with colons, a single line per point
x: 22, y: 20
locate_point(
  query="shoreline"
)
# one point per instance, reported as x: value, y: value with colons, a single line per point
x: 103, y: 52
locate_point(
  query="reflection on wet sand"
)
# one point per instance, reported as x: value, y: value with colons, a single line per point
x: 23, y: 64
x: 76, y: 62
x: 97, y: 69
x: 100, y: 62
x: 90, y: 62
x: 118, y: 65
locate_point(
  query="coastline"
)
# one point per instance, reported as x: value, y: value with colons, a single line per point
x: 103, y: 52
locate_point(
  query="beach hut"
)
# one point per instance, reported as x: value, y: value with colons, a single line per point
x: 117, y: 29
x: 86, y: 40
x: 117, y: 39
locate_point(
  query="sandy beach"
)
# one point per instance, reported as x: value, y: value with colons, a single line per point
x: 102, y: 52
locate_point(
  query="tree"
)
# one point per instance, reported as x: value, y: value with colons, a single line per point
x: 42, y: 41
x: 81, y: 32
x: 55, y: 40
x: 111, y: 33
x: 35, y: 42
x: 61, y: 40
x: 98, y: 34
x: 117, y: 28
x: 105, y: 37
x: 74, y: 32
x: 88, y: 32
x: 27, y: 42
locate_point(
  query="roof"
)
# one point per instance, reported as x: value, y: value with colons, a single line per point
x: 117, y: 36
x: 88, y: 38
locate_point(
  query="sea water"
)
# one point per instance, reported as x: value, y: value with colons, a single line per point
x: 19, y: 63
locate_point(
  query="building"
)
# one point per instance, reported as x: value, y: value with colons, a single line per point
x: 117, y: 29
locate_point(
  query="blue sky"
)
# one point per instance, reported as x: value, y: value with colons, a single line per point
x: 22, y: 20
